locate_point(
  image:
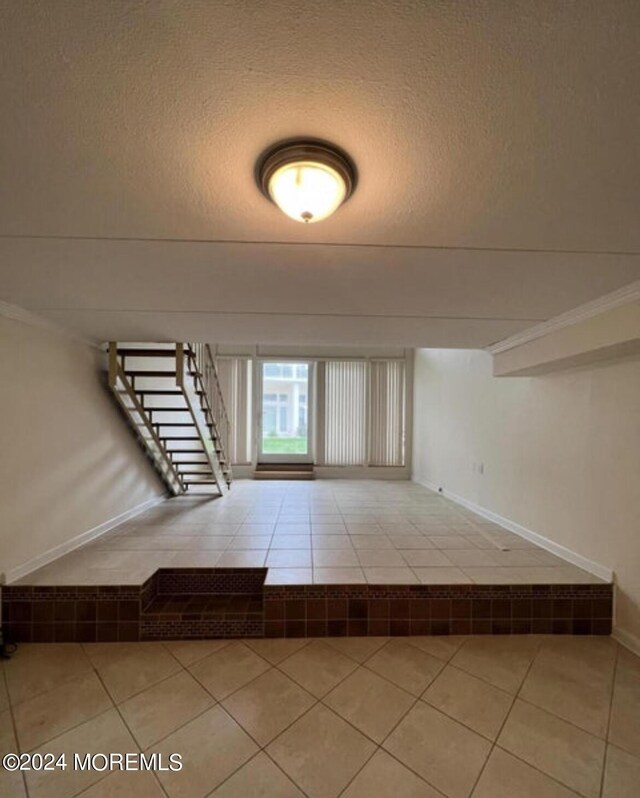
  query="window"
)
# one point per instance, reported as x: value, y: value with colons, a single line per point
x: 285, y: 387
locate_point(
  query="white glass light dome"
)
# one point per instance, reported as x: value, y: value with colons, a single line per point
x: 307, y: 180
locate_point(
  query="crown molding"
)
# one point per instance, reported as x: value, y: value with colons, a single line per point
x: 17, y: 313
x: 623, y: 296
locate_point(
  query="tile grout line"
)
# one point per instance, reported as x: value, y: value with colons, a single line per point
x: 606, y: 741
x: 395, y: 726
x: 13, y: 724
x: 553, y: 715
x: 506, y: 718
x: 124, y: 722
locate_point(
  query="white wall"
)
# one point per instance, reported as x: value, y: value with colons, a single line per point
x: 560, y: 453
x: 68, y: 462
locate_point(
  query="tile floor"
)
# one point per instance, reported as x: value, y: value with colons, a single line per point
x: 327, y: 531
x: 488, y: 717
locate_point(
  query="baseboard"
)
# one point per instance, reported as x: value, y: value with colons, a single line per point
x: 626, y: 639
x: 340, y: 472
x: 570, y: 556
x: 80, y: 540
x: 362, y: 472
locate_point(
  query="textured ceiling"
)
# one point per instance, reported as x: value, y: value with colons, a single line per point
x: 497, y: 145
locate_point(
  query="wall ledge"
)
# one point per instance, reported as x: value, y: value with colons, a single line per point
x: 623, y: 296
x: 569, y: 555
x: 49, y: 556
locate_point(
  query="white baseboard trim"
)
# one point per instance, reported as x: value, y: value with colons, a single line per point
x: 362, y: 472
x: 569, y: 555
x: 340, y: 472
x: 80, y: 540
x: 626, y: 639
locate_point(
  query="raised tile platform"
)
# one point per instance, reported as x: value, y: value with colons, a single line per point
x: 227, y: 603
x: 328, y: 557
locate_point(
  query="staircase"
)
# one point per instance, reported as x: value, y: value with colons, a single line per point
x: 170, y: 394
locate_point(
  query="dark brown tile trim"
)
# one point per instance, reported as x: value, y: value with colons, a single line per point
x: 234, y: 602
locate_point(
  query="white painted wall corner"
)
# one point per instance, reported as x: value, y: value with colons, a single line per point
x: 569, y: 555
x: 81, y: 540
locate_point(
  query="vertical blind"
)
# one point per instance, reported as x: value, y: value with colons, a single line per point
x: 387, y: 386
x: 364, y: 413
x: 345, y: 410
x: 235, y: 381
x: 361, y: 411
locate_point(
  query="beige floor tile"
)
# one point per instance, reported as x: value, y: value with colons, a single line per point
x: 288, y: 558
x: 370, y: 703
x: 36, y: 668
x: 50, y: 714
x: 8, y: 742
x: 470, y: 557
x: 319, y: 528
x: 566, y: 753
x: 291, y: 542
x: 476, y: 704
x: 358, y: 648
x: 441, y: 646
x: 442, y: 751
x: 449, y: 542
x: 4, y: 695
x: 256, y: 529
x: 331, y: 542
x: 274, y: 650
x: 125, y: 784
x: 624, y: 730
x: 129, y: 668
x: 248, y: 542
x: 318, y: 667
x: 426, y: 558
x: 371, y: 542
x: 160, y: 710
x: 384, y: 777
x: 189, y: 651
x: 390, y: 576
x: 259, y: 778
x: 442, y: 576
x: 411, y: 541
x: 338, y: 576
x: 266, y: 706
x: 572, y: 679
x: 406, y: 666
x: 212, y: 746
x: 228, y: 669
x: 518, y: 557
x: 385, y: 558
x: 253, y: 558
x: 321, y: 753
x: 502, y: 661
x: 289, y: 576
x: 11, y: 782
x: 105, y: 733
x: 621, y: 775
x: 335, y: 558
x: 507, y: 777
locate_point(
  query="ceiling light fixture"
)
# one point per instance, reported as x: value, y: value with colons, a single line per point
x: 307, y: 179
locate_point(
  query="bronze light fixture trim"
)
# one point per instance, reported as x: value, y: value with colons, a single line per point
x: 308, y: 179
